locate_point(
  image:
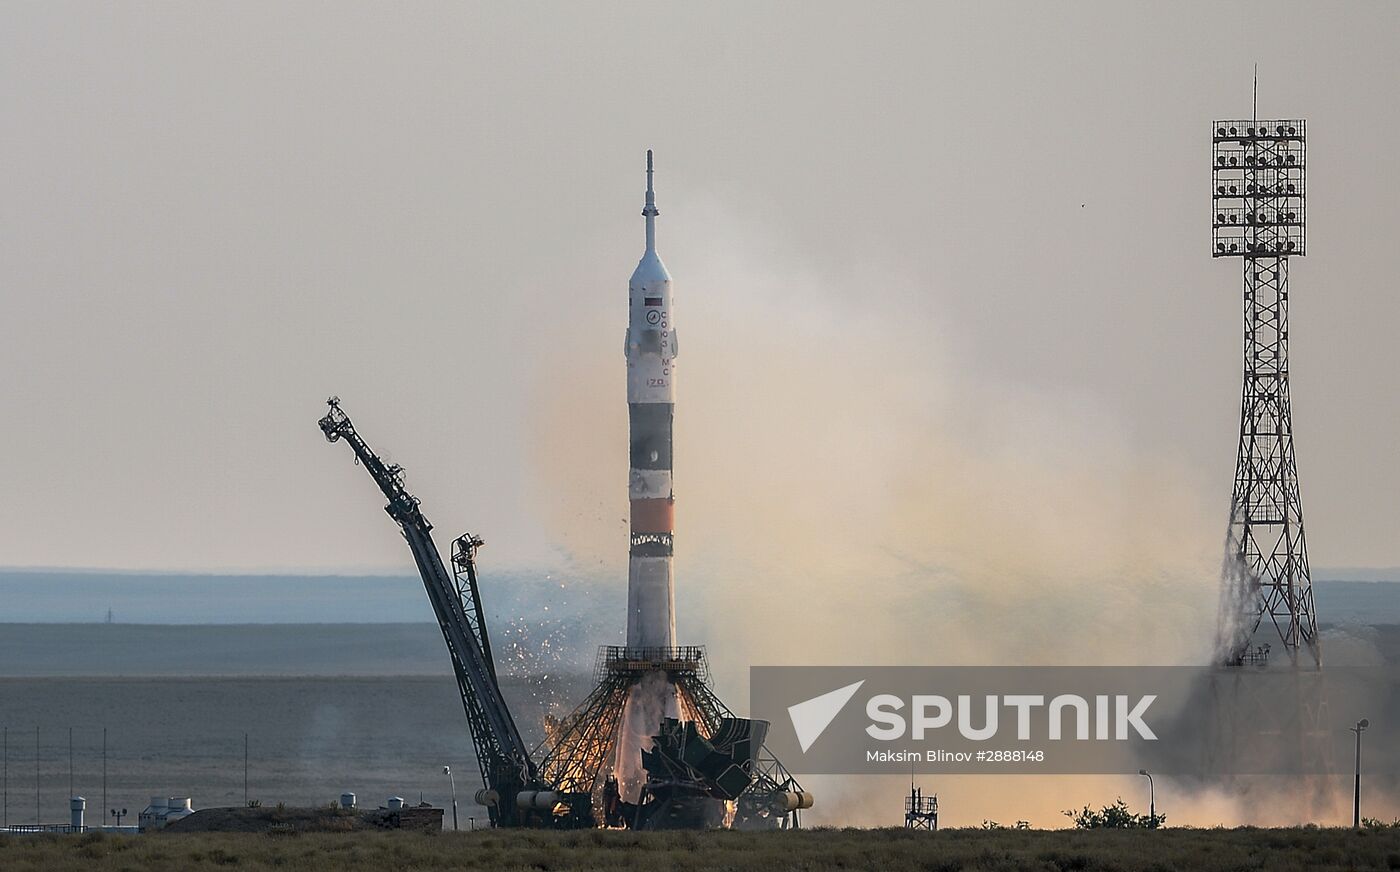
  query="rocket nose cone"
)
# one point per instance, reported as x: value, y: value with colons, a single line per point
x: 650, y: 269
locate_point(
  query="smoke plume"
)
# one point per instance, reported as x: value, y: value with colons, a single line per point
x: 850, y: 491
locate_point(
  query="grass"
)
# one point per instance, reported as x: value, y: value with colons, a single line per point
x: 807, y: 850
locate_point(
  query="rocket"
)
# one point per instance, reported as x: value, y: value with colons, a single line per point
x: 651, y: 397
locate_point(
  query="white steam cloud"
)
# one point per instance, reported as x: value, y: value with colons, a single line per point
x: 850, y: 492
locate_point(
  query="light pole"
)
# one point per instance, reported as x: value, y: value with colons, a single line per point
x: 1151, y: 800
x: 1360, y: 727
x: 447, y: 770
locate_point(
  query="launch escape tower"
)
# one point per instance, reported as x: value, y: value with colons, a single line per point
x: 1259, y: 200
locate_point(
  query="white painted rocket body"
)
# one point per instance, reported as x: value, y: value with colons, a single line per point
x: 651, y: 396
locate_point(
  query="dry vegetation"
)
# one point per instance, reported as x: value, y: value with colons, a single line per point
x: 1052, y: 851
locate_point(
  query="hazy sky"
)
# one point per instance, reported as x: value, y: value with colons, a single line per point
x: 215, y: 215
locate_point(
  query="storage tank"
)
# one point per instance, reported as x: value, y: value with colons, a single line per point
x: 347, y: 800
x: 77, y: 805
x: 396, y: 803
x: 178, y: 807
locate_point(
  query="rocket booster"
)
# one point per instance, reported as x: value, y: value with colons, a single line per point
x: 651, y: 371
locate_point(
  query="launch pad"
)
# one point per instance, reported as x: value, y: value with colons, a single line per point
x: 705, y: 767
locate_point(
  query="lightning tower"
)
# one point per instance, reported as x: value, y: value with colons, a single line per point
x: 1259, y: 209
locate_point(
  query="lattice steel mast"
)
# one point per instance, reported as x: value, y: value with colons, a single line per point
x: 1259, y: 201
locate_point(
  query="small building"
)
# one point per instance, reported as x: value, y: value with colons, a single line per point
x: 77, y: 806
x: 162, y: 811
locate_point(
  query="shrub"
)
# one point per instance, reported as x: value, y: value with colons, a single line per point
x: 1377, y: 824
x: 1113, y: 817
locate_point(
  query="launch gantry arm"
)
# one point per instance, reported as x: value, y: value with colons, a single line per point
x: 506, y: 765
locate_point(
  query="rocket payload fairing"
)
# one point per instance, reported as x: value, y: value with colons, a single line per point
x: 651, y: 397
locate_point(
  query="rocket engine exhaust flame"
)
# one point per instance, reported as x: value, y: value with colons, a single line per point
x: 649, y: 701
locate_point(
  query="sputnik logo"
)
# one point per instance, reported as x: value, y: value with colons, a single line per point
x: 811, y: 717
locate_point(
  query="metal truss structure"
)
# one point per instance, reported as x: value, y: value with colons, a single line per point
x: 506, y: 765
x: 581, y: 751
x: 920, y: 812
x: 1259, y: 198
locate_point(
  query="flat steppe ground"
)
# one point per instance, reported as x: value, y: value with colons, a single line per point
x: 1270, y: 850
